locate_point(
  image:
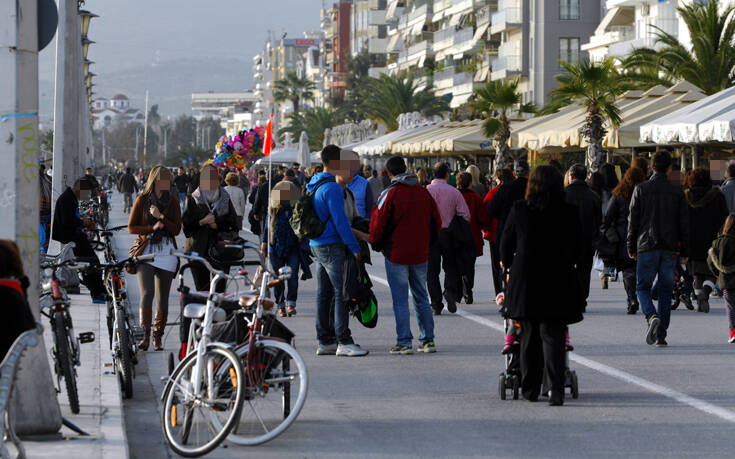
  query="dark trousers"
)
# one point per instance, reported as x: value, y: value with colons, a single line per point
x: 729, y: 295
x: 584, y: 272
x: 468, y: 278
x: 441, y: 257
x: 629, y: 284
x: 92, y: 277
x: 497, y: 271
x: 542, y: 354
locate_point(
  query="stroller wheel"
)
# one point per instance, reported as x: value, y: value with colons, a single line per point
x: 574, y: 385
x: 516, y: 387
x: 501, y: 386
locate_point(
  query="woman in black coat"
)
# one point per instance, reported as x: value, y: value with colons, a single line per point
x: 707, y: 213
x: 541, y: 245
x: 615, y: 226
x: 17, y: 316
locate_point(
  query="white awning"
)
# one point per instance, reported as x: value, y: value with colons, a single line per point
x: 393, y: 43
x: 391, y: 9
x: 455, y: 20
x: 440, y: 56
x: 458, y: 56
x: 417, y: 28
x: 481, y: 74
x: 421, y: 61
x: 480, y: 32
x: 616, y: 16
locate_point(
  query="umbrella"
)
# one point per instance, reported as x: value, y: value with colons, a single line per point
x: 304, y: 152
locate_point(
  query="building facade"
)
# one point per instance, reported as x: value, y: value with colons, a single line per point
x: 369, y: 32
x: 221, y: 105
x: 117, y: 109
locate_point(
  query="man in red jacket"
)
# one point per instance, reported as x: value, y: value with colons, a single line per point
x: 403, y: 225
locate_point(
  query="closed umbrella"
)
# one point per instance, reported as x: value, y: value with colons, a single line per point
x: 304, y: 153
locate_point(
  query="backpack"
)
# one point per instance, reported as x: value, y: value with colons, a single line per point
x: 304, y: 220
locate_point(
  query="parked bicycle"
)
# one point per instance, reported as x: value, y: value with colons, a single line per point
x: 104, y: 236
x: 55, y: 304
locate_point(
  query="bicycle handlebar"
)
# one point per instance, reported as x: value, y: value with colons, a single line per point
x: 128, y: 261
x: 193, y: 256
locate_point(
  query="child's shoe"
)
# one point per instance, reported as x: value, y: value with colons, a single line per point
x: 509, y: 341
x: 732, y: 336
x: 567, y: 343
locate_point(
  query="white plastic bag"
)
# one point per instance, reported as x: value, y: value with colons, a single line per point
x: 598, y: 264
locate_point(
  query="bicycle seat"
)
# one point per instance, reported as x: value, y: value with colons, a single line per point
x: 196, y: 311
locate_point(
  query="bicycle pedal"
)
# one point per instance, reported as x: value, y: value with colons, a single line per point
x: 138, y: 333
x: 86, y: 337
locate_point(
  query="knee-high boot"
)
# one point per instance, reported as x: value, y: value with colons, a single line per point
x: 159, y: 327
x: 146, y: 315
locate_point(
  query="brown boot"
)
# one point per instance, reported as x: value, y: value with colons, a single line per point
x: 158, y: 328
x: 146, y: 315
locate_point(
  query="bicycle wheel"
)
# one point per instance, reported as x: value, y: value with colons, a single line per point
x: 64, y: 361
x: 110, y: 320
x: 125, y: 355
x: 275, y: 392
x: 194, y: 425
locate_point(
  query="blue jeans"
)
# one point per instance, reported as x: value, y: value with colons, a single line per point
x: 650, y: 264
x: 401, y: 278
x: 182, y: 199
x: 332, y: 325
x: 292, y: 284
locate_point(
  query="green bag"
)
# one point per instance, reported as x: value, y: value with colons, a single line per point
x: 304, y: 220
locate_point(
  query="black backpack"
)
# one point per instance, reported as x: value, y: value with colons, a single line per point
x: 304, y: 220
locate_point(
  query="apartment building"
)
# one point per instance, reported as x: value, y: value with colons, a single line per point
x: 335, y: 27
x: 535, y: 35
x: 369, y: 30
x: 263, y: 84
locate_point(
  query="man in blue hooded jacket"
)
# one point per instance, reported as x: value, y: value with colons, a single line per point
x: 329, y: 252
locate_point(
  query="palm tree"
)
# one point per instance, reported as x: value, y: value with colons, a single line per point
x: 293, y: 89
x: 391, y: 95
x: 314, y: 121
x: 596, y: 85
x: 495, y: 101
x: 710, y: 62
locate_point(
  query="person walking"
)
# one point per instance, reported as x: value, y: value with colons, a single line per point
x: 589, y: 207
x: 156, y: 220
x: 284, y: 245
x: 450, y: 203
x: 127, y: 185
x: 330, y: 249
x: 477, y: 185
x: 503, y: 177
x: 244, y: 183
x: 237, y: 197
x: 193, y: 180
x: 721, y: 261
x: 728, y: 187
x: 363, y: 192
x: 208, y: 217
x: 541, y: 245
x: 376, y: 185
x: 479, y: 220
x: 615, y: 223
x: 404, y: 222
x: 658, y: 228
x: 17, y: 315
x: 508, y: 194
x: 707, y: 213
x: 181, y: 182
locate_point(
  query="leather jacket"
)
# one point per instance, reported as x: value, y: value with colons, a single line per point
x: 659, y: 217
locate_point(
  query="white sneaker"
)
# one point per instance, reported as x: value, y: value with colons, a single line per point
x: 351, y: 350
x: 326, y: 349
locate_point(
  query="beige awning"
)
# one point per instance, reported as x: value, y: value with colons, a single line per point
x: 616, y: 16
x: 481, y: 75
x: 480, y: 32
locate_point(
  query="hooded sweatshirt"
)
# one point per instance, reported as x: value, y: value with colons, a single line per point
x: 329, y: 204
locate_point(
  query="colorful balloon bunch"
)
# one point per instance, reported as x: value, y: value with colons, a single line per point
x: 241, y: 150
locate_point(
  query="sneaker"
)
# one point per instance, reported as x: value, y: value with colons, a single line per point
x: 327, y: 349
x: 451, y: 304
x: 351, y: 350
x: 687, y: 302
x: 732, y: 336
x: 282, y: 312
x: 661, y: 343
x: 508, y: 346
x: 568, y: 343
x: 428, y: 348
x: 653, y: 323
x: 401, y: 350
x: 291, y: 311
x: 469, y: 299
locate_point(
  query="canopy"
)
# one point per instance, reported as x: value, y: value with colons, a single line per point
x: 383, y: 144
x: 285, y: 156
x: 304, y: 156
x: 454, y: 137
x: 561, y: 130
x: 707, y: 120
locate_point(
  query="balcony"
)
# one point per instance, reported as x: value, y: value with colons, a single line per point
x: 420, y: 12
x: 376, y: 17
x: 505, y: 66
x: 420, y: 47
x: 377, y: 45
x: 506, y: 19
x: 616, y: 34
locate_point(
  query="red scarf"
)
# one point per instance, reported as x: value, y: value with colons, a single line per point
x: 14, y: 284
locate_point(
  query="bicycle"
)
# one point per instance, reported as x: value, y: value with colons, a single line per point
x: 54, y: 304
x: 104, y: 236
x: 208, y: 378
x: 123, y: 336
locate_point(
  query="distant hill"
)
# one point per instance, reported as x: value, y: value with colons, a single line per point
x: 170, y: 83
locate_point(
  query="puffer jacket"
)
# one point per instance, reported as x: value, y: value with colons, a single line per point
x: 707, y: 214
x: 659, y: 217
x: 721, y: 260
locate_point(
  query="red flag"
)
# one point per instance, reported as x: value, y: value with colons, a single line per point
x: 268, y: 143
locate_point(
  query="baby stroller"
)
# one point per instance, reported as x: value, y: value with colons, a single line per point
x: 510, y: 378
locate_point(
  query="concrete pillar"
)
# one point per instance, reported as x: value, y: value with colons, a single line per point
x: 36, y: 407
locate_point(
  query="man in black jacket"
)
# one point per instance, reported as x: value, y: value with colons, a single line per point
x: 127, y: 185
x: 590, y: 215
x: 68, y: 227
x: 507, y: 195
x: 658, y: 228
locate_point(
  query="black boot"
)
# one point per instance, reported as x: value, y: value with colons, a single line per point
x: 632, y: 306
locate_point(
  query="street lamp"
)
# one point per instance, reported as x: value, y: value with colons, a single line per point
x: 86, y: 17
x: 85, y: 46
x: 87, y: 63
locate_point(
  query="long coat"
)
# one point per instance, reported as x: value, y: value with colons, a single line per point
x: 542, y: 249
x: 707, y: 213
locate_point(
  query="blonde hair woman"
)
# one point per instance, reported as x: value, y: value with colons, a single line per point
x: 477, y: 186
x: 284, y: 246
x: 237, y: 196
x: 156, y: 219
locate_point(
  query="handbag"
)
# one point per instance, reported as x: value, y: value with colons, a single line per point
x: 136, y: 250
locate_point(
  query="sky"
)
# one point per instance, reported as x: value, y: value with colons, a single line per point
x: 133, y: 35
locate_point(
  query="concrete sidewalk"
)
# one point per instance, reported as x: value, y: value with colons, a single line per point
x: 100, y: 401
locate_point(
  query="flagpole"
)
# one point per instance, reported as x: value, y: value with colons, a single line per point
x: 267, y: 150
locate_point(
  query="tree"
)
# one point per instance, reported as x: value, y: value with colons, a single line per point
x: 710, y: 62
x: 495, y: 101
x: 596, y: 85
x: 314, y: 121
x: 350, y: 104
x: 391, y: 95
x: 47, y: 140
x: 294, y: 89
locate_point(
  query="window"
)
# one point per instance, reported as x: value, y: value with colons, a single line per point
x: 569, y: 10
x: 382, y: 31
x: 569, y: 49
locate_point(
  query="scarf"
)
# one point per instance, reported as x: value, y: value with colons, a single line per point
x: 163, y: 203
x: 216, y: 201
